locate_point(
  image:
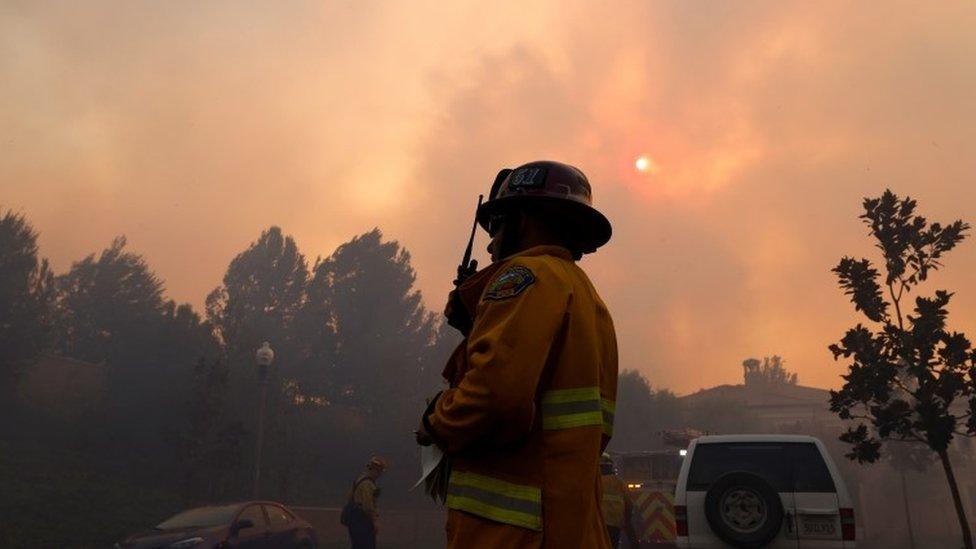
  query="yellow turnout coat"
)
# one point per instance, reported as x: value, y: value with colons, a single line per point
x: 530, y: 408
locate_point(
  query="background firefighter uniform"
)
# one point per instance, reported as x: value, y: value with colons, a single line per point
x: 613, y: 500
x: 615, y: 508
x: 531, y: 407
x: 364, y: 514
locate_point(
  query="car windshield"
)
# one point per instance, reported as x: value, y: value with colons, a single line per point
x: 200, y: 517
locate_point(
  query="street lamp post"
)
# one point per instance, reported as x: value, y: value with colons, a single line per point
x: 263, y: 357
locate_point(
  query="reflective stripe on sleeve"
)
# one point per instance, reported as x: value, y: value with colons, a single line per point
x: 567, y: 408
x: 495, y: 499
x: 608, y: 407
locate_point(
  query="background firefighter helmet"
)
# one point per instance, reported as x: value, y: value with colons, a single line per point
x: 553, y: 182
x: 377, y: 463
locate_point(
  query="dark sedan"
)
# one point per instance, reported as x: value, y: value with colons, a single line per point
x: 246, y: 525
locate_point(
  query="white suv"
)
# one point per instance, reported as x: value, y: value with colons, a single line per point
x: 750, y: 491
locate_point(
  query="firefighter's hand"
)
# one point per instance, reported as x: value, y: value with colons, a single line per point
x: 422, y: 434
x: 457, y: 314
x: 463, y: 273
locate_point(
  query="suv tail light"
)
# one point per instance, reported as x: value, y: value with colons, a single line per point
x: 681, y: 520
x: 847, y: 524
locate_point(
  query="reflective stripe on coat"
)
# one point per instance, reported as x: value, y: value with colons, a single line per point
x: 613, y: 500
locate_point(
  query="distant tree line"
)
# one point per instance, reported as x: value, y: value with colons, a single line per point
x: 643, y: 413
x: 356, y: 353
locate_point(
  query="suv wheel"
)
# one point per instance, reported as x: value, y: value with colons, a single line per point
x: 743, y: 510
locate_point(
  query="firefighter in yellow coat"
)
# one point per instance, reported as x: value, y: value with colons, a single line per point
x: 618, y: 509
x: 533, y: 385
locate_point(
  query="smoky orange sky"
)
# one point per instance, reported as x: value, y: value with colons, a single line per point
x: 191, y: 126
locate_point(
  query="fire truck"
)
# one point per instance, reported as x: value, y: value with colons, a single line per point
x: 650, y: 477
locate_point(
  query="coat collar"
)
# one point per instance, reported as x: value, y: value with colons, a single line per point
x: 557, y: 251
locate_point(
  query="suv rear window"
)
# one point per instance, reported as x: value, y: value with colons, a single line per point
x: 810, y: 473
x: 787, y: 466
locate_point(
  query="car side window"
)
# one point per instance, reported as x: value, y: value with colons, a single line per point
x: 810, y: 473
x: 277, y: 515
x: 254, y: 513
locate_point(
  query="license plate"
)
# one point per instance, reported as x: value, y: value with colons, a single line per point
x: 818, y: 527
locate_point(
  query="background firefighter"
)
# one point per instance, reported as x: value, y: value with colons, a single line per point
x: 360, y: 514
x: 617, y: 506
x: 533, y: 384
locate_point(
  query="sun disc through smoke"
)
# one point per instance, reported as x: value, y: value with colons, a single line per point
x: 646, y: 164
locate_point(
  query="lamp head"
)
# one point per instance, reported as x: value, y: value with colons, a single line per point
x: 265, y: 355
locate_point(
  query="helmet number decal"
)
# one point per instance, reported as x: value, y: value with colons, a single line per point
x: 527, y: 178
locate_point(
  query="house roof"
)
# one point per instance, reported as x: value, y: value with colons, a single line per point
x: 782, y: 394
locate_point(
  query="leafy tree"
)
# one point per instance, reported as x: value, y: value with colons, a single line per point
x: 111, y: 310
x: 771, y: 371
x: 262, y: 292
x: 314, y: 333
x: 642, y: 413
x: 108, y: 307
x: 377, y: 352
x: 183, y: 337
x: 362, y: 295
x: 261, y: 297
x: 26, y: 292
x: 910, y: 378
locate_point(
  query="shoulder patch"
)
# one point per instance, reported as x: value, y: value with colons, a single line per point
x: 513, y: 281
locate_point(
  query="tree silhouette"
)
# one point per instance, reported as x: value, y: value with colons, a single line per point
x: 771, y: 371
x: 109, y: 307
x: 910, y: 378
x: 363, y: 293
x: 111, y: 310
x: 379, y: 354
x: 26, y: 293
x: 261, y: 295
x: 642, y: 413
